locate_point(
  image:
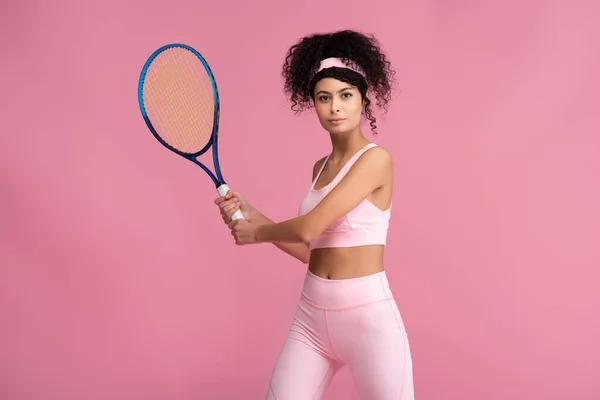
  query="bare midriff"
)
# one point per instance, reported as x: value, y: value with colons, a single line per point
x: 346, y: 262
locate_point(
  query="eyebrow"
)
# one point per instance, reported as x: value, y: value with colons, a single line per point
x: 339, y: 91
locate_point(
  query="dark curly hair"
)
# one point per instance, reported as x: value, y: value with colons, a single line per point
x: 304, y: 57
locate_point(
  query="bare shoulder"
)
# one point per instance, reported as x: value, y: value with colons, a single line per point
x: 378, y: 158
x: 317, y: 167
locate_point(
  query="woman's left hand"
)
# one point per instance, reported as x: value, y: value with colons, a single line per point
x: 244, y: 232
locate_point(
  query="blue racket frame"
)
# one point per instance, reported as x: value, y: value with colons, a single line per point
x: 213, y: 142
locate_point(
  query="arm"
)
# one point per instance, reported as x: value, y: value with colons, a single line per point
x: 300, y: 250
x: 365, y: 176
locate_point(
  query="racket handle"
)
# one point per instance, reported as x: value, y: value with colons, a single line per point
x: 223, y: 189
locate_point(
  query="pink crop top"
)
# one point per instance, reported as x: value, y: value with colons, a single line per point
x: 364, y: 225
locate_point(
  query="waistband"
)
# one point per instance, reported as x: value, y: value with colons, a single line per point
x: 339, y: 294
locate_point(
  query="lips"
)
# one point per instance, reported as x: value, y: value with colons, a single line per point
x: 336, y: 121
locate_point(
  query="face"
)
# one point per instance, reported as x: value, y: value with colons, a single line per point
x: 338, y: 105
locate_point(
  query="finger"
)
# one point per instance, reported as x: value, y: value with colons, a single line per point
x: 230, y: 194
x: 229, y: 207
x: 231, y: 212
x: 219, y: 200
x: 232, y: 202
x: 225, y: 203
x: 232, y: 224
x: 226, y: 219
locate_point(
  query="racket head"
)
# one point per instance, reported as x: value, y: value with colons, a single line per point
x: 179, y: 100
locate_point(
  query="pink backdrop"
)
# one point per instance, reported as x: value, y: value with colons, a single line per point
x: 119, y: 281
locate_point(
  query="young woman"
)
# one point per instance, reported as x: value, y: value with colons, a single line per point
x: 346, y: 314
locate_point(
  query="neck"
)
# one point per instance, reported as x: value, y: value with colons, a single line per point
x: 344, y: 145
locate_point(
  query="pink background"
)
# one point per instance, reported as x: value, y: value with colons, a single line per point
x: 119, y: 281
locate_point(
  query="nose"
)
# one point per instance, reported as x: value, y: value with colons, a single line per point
x: 335, y: 108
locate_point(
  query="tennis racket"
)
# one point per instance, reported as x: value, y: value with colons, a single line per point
x: 179, y: 100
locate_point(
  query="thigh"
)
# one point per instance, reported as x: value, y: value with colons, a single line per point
x: 377, y: 350
x: 385, y: 372
x: 300, y: 373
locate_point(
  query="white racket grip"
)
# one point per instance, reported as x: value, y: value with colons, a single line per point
x: 223, y: 189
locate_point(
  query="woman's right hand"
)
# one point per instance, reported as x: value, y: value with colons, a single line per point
x: 230, y: 203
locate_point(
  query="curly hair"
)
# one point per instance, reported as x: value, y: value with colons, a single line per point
x: 303, y: 59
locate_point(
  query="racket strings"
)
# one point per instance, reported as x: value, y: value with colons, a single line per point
x: 179, y: 100
x: 183, y: 104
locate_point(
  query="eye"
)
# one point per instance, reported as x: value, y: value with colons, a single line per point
x: 347, y: 95
x: 323, y: 98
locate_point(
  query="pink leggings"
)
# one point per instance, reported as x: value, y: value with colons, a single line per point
x: 352, y: 322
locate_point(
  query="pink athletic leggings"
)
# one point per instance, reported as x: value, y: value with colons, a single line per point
x: 352, y: 322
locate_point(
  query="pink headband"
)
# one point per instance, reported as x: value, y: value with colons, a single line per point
x: 338, y: 62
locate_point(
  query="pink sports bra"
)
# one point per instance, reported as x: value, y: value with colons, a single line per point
x: 364, y: 225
